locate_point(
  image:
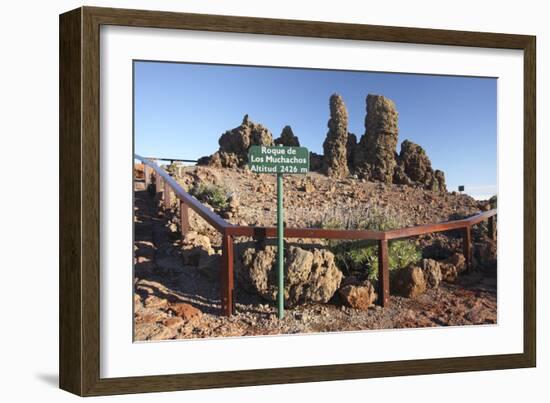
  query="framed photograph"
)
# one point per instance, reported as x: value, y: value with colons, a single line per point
x: 250, y: 201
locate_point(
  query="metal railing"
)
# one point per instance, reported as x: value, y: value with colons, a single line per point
x: 172, y: 160
x: 165, y: 184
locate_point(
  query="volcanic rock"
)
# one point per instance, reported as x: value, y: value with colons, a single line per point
x: 375, y: 158
x: 195, y: 247
x: 287, y: 138
x: 452, y: 267
x: 432, y: 272
x: 234, y: 144
x: 358, y: 295
x: 310, y: 275
x: 335, y: 161
x: 315, y: 161
x: 414, y: 167
x: 409, y: 282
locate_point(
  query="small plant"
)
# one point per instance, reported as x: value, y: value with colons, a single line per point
x: 362, y: 256
x: 214, y: 195
x: 173, y: 169
x: 493, y: 202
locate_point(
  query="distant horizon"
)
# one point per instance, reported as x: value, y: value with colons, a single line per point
x: 452, y: 118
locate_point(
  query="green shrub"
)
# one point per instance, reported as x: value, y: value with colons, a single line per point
x: 214, y: 195
x: 362, y: 256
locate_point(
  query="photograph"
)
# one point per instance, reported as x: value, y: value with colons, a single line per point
x: 357, y: 200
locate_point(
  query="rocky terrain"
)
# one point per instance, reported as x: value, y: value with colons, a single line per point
x: 329, y: 285
x: 177, y: 280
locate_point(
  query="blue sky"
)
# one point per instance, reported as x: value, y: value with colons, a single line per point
x: 182, y: 109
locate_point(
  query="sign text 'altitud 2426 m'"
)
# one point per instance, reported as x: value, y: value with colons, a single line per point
x: 278, y: 159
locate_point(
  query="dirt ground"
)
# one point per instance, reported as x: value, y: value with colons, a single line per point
x: 177, y: 301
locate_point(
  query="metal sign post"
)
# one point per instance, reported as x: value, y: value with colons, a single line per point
x: 279, y: 160
x: 280, y: 248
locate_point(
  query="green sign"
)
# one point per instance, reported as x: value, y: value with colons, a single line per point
x: 278, y: 160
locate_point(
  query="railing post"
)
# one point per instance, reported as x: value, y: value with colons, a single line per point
x: 167, y: 196
x: 227, y: 275
x: 491, y: 227
x: 467, y: 246
x: 383, y: 273
x: 158, y: 183
x: 147, y: 175
x: 184, y: 218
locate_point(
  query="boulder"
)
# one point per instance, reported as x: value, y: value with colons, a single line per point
x: 310, y: 275
x: 408, y: 282
x: 415, y: 162
x: 415, y: 168
x: 374, y: 158
x: 221, y: 159
x: 452, y: 267
x: 287, y: 138
x: 234, y: 144
x: 358, y: 295
x: 335, y: 161
x: 458, y: 260
x: 432, y: 272
x: 195, y: 247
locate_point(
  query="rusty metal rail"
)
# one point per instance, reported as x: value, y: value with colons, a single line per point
x: 166, y: 185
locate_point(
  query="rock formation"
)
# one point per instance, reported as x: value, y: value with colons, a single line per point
x: 375, y: 158
x: 335, y: 161
x: 443, y: 270
x: 415, y: 168
x: 310, y: 275
x: 408, y: 282
x: 432, y: 272
x: 234, y: 144
x: 440, y: 177
x: 357, y: 295
x: 315, y: 161
x: 288, y: 138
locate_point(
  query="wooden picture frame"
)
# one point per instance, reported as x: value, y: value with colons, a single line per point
x: 79, y: 200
